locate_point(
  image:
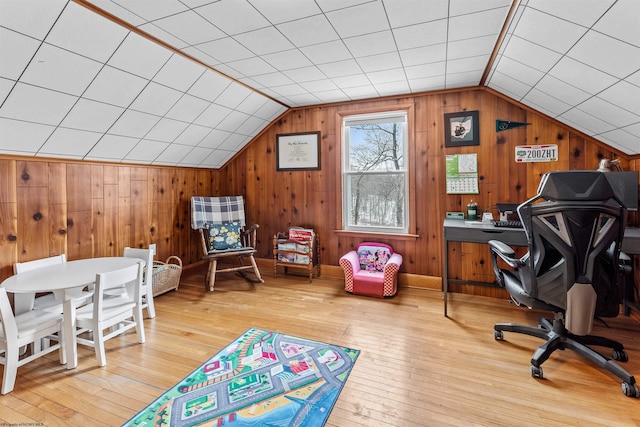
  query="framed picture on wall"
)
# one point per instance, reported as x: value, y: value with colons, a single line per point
x: 298, y: 151
x: 461, y: 129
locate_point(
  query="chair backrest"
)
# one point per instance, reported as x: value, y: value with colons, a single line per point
x: 21, y: 267
x: 7, y: 319
x: 574, y: 226
x: 147, y: 256
x: 216, y: 210
x: 373, y: 256
x: 130, y: 276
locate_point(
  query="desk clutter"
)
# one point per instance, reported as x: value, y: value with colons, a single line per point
x: 296, y: 248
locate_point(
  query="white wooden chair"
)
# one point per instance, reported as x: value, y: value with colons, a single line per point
x: 147, y: 282
x: 116, y: 314
x: 22, y: 330
x: 210, y: 215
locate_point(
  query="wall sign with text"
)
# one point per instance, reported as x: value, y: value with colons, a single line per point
x: 298, y: 151
x: 536, y: 153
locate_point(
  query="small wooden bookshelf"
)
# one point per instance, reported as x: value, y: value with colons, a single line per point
x: 297, y: 248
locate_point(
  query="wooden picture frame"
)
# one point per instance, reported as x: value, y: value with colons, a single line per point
x: 298, y: 151
x: 461, y: 129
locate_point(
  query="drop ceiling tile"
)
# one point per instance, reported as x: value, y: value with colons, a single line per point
x: 607, y: 54
x: 457, y: 80
x: 188, y: 108
x: 471, y: 47
x: 115, y: 87
x: 92, y: 116
x: 60, y: 70
x: 273, y: 79
x: 305, y: 74
x: 270, y: 111
x: 233, y: 121
x: 327, y: 52
x: 216, y: 159
x: 209, y: 86
x: 233, y: 95
x: 622, y: 140
x: 533, y: 55
x: 5, y: 87
x: 562, y: 90
x: 251, y: 103
x: 173, y: 154
x: 152, y: 10
x: 119, y: 11
x: 280, y: 11
x: 426, y: 70
x: 288, y: 90
x: 287, y: 60
x: 478, y: 24
x: 608, y: 112
x: 264, y: 41
x: 330, y: 96
x: 134, y: 124
x: 519, y: 71
x: 584, y: 122
x: 386, y: 76
x: 252, y: 66
x: 463, y: 7
x: 69, y: 143
x: 233, y: 16
x: 424, y: 55
x: 179, y: 73
x: 623, y: 95
x: 19, y: 137
x: 233, y: 143
x: 426, y: 84
x: 86, y: 33
x: 546, y: 103
x: 160, y: 34
x: 342, y: 68
x: 476, y: 63
x: 190, y: 27
x: 392, y: 88
x: 195, y: 156
x: 146, y: 151
x: 371, y: 44
x: 226, y: 50
x: 356, y: 92
x: 548, y: 31
x: 212, y: 116
x: 214, y: 139
x: 112, y: 147
x: 156, y: 99
x: 319, y: 86
x: 31, y: 17
x: 16, y: 51
x: 167, y: 130
x: 509, y: 86
x: 402, y: 13
x: 420, y: 35
x: 140, y: 56
x: 252, y: 126
x: 358, y: 20
x: 198, y: 55
x: 309, y: 31
x: 586, y: 15
x: 380, y: 62
x: 355, y: 80
x: 38, y: 105
x: 621, y: 21
x: 192, y: 135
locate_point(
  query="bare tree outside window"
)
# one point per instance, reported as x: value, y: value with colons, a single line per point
x: 375, y: 174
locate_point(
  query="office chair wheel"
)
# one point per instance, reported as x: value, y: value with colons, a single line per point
x: 498, y: 335
x: 536, y: 371
x: 620, y: 355
x: 630, y: 390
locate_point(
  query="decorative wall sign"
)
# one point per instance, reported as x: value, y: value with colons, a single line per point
x: 461, y: 129
x: 298, y: 151
x: 506, y: 125
x: 536, y: 153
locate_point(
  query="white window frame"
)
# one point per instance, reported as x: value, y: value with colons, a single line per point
x: 378, y: 117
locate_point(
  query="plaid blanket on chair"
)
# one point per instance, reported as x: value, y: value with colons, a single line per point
x: 216, y: 210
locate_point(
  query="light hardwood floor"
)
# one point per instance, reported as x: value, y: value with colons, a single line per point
x: 416, y: 367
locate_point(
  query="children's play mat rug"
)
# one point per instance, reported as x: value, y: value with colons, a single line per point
x: 263, y: 378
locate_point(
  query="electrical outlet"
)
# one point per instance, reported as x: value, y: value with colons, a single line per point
x: 153, y: 248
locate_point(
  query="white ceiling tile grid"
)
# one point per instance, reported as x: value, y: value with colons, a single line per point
x: 191, y: 82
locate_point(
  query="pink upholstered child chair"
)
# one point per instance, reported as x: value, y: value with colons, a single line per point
x: 372, y: 270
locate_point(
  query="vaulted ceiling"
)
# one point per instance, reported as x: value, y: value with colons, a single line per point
x: 191, y: 82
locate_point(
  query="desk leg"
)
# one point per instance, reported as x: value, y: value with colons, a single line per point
x: 69, y: 313
x: 445, y: 275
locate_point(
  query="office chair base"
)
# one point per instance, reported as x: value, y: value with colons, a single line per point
x: 557, y: 337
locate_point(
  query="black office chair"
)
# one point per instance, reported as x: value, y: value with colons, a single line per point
x: 574, y: 228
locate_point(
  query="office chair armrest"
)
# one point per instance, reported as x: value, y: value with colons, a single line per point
x: 505, y: 252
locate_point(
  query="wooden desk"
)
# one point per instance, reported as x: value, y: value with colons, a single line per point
x: 62, y: 280
x: 456, y: 230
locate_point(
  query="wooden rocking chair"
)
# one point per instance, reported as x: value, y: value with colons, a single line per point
x: 220, y: 221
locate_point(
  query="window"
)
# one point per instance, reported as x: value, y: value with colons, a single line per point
x: 374, y: 173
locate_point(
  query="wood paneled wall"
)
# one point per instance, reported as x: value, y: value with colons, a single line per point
x: 86, y: 210
x: 49, y: 207
x: 276, y: 200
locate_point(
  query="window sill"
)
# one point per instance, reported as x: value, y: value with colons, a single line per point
x: 388, y: 236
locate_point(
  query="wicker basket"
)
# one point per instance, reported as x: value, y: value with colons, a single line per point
x: 166, y: 275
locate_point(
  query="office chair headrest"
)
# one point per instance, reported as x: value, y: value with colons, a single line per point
x: 576, y: 186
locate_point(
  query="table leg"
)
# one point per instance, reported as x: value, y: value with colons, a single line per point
x: 69, y: 314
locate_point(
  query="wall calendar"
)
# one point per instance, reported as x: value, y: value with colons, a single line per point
x: 462, y: 173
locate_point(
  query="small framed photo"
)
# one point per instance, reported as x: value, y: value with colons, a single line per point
x: 461, y: 129
x: 298, y: 151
